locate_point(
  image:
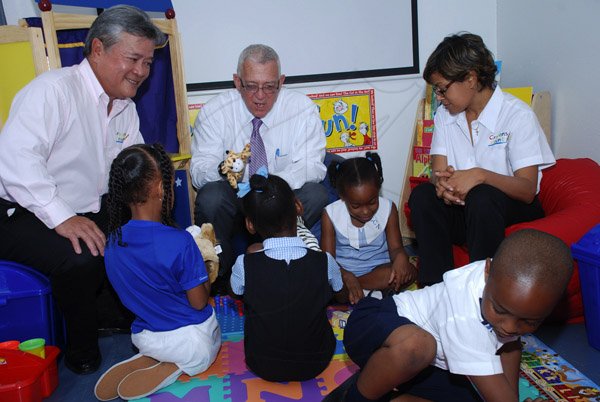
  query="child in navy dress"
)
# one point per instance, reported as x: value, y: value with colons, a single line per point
x: 286, y: 288
x: 362, y: 230
x: 159, y: 274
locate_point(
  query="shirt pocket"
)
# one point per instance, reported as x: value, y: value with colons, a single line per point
x: 495, y: 158
x: 282, y: 159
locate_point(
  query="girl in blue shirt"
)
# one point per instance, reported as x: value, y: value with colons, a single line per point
x: 362, y: 231
x: 159, y: 274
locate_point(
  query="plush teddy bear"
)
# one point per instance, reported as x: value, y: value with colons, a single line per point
x: 207, y: 243
x: 233, y: 166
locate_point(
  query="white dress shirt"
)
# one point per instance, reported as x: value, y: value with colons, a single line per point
x: 506, y: 137
x: 292, y: 132
x: 58, y: 143
x: 451, y: 312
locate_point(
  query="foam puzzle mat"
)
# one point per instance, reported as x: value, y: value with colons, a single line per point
x: 543, y: 372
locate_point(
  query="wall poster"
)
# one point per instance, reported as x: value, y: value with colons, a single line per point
x: 348, y: 119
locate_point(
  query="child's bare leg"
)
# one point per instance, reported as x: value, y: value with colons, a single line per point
x: 406, y: 352
x: 377, y: 279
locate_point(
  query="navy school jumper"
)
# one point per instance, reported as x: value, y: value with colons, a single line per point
x: 287, y: 336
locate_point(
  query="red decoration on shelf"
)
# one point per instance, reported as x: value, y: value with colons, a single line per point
x: 170, y: 14
x: 45, y: 5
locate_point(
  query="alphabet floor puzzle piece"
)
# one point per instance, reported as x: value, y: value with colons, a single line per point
x: 209, y: 389
x: 196, y: 394
x: 236, y: 360
x: 219, y: 368
x: 260, y: 390
x: 336, y: 373
x: 237, y: 388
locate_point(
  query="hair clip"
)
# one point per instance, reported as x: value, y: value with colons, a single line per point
x: 244, y: 187
x: 262, y: 171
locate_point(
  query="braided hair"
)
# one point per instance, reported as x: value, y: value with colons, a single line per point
x: 270, y: 205
x: 354, y: 172
x: 131, y: 174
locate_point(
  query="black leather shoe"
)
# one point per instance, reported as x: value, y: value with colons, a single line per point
x: 83, y: 363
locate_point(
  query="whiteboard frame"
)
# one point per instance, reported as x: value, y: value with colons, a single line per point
x: 336, y: 76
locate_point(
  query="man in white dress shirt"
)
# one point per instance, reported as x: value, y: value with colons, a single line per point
x: 63, y: 131
x: 293, y: 137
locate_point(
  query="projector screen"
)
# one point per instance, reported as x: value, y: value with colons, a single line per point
x: 317, y: 40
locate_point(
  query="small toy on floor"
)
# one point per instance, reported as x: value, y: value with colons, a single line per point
x: 230, y: 314
x: 228, y: 306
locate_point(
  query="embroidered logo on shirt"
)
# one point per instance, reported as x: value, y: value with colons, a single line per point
x: 500, y: 138
x: 121, y: 137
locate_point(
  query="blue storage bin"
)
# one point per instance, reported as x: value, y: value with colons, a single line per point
x: 26, y: 306
x: 587, y: 253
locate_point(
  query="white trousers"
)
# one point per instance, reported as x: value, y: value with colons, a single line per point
x: 192, y: 348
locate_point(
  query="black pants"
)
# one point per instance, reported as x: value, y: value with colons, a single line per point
x: 479, y: 224
x: 75, y: 278
x: 217, y: 203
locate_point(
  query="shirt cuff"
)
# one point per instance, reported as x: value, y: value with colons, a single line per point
x: 54, y: 213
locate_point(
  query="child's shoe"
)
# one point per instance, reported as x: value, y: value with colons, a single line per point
x: 146, y: 381
x: 106, y: 387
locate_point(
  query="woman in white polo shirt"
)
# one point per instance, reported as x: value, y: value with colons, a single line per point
x: 488, y: 152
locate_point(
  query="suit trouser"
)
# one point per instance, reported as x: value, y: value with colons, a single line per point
x: 479, y: 224
x: 75, y: 278
x: 217, y: 203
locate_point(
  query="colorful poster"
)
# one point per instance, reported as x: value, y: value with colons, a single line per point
x: 348, y: 119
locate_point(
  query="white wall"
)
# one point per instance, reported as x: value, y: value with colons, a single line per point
x: 553, y: 45
x: 395, y: 99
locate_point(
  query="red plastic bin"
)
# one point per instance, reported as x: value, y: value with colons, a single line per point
x: 25, y: 377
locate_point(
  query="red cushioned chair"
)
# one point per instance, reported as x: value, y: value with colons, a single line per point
x: 570, y: 196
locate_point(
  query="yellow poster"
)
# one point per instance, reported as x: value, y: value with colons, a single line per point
x: 348, y: 119
x: 523, y: 93
x: 193, y: 109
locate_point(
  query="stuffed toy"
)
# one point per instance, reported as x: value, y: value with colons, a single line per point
x: 234, y: 164
x: 207, y: 243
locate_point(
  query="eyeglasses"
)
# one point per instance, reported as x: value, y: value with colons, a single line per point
x: 269, y: 88
x: 442, y: 91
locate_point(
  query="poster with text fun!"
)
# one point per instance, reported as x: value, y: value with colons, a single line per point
x: 348, y: 120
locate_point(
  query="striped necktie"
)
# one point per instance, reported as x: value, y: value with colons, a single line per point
x: 258, y: 156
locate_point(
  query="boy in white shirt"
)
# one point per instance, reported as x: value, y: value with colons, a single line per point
x: 468, y: 325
